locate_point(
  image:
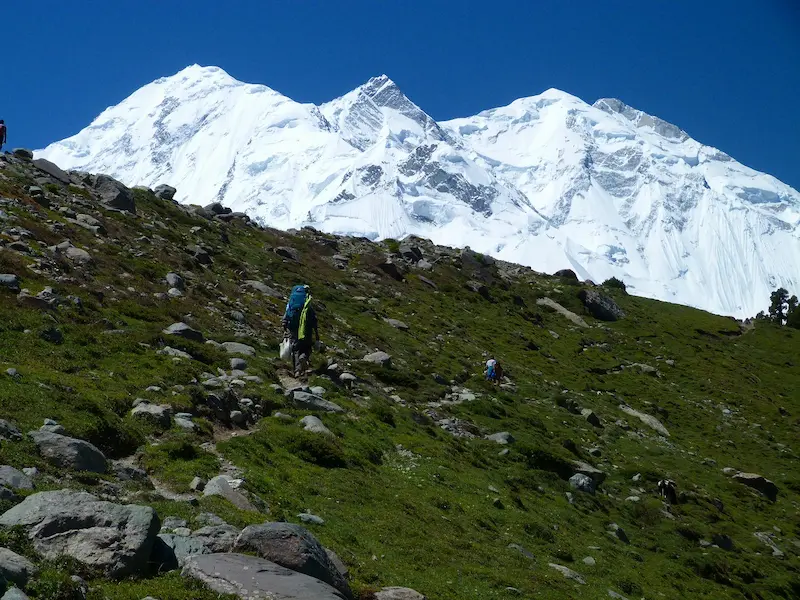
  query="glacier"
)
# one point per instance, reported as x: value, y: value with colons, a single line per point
x: 548, y: 181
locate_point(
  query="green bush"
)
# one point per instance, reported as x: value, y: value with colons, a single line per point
x: 615, y: 283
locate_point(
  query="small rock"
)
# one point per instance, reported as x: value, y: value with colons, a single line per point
x: 589, y: 561
x: 616, y: 531
x: 314, y: 425
x: 160, y: 414
x: 10, y: 282
x: 238, y: 417
x: 69, y: 453
x: 568, y: 573
x: 503, y: 438
x: 15, y: 568
x: 591, y: 417
x: 398, y: 593
x: 522, y: 550
x: 9, y: 431
x: 582, y: 483
x: 307, y: 517
x: 397, y: 324
x: 165, y: 192
x: 378, y: 358
x: 184, y: 331
x: 219, y: 486
x: 198, y: 484
x: 760, y: 483
x: 238, y: 364
x: 171, y: 523
x: 12, y: 478
x: 238, y: 348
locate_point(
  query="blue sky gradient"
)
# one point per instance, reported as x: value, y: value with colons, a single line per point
x: 726, y: 71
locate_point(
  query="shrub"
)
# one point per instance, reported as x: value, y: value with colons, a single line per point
x: 615, y: 283
x: 317, y: 449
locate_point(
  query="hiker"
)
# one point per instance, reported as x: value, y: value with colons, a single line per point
x: 3, y: 133
x: 300, y: 321
x: 494, y: 372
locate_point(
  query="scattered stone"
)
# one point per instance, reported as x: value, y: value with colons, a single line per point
x: 568, y: 573
x: 52, y: 335
x: 600, y: 306
x: 615, y: 595
x: 219, y: 486
x: 260, y: 286
x: 160, y: 414
x: 309, y: 401
x: 767, y: 538
x: 9, y: 431
x: 307, y: 517
x: 378, y: 358
x: 618, y: 532
x: 217, y: 538
x: 51, y: 169
x: 165, y: 192
x: 566, y: 274
x: 287, y: 252
x: 582, y: 483
x: 522, y: 550
x: 648, y: 420
x: 596, y: 452
x: 760, y: 483
x: 114, y: 194
x: 398, y: 593
x: 589, y: 561
x: 207, y: 519
x: 12, y: 478
x: 238, y: 348
x: 174, y: 293
x: 337, y: 562
x: 10, y: 282
x: 113, y: 538
x: 238, y: 417
x: 23, y: 153
x: 723, y: 541
x: 198, y: 484
x: 503, y: 438
x: 314, y: 425
x: 171, y: 551
x: 184, y: 421
x: 568, y: 314
x: 172, y: 523
x: 586, y: 469
x: 174, y: 353
x: 252, y: 578
x: 238, y: 364
x: 69, y: 453
x: 591, y: 417
x: 14, y: 594
x: 293, y: 547
x: 184, y: 331
x: 16, y: 568
x: 397, y: 324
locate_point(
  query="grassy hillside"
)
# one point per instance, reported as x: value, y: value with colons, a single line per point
x: 405, y: 502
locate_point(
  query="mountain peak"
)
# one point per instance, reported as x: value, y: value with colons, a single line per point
x: 641, y: 119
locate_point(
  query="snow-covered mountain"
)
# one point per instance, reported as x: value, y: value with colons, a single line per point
x: 547, y: 181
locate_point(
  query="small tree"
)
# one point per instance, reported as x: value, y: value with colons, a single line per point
x: 613, y: 282
x: 779, y: 306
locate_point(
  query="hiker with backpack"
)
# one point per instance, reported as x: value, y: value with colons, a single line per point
x: 299, y: 323
x: 494, y: 372
x: 3, y: 133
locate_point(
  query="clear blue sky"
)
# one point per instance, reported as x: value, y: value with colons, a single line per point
x: 726, y: 71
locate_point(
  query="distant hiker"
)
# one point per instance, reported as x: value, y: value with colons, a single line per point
x: 300, y: 322
x: 494, y: 372
x: 668, y: 490
x: 3, y: 133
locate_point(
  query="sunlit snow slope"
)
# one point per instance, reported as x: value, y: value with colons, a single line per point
x: 548, y: 181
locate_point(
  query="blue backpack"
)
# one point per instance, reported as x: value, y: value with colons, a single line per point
x: 295, y: 306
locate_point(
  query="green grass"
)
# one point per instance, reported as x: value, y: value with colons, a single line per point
x: 404, y: 502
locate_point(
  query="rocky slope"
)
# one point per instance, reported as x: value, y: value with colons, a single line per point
x: 155, y: 446
x: 548, y: 181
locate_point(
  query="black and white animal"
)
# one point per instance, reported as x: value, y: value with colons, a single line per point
x: 667, y: 489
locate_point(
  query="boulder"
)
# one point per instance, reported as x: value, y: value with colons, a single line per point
x: 568, y: 573
x: 160, y: 414
x: 69, y: 453
x: 760, y: 483
x: 648, y: 420
x: 219, y: 486
x: 252, y: 578
x: 591, y: 417
x: 309, y: 401
x: 582, y: 483
x: 165, y: 192
x: 398, y: 593
x: 114, y: 194
x: 260, y: 286
x: 314, y: 425
x: 600, y: 306
x: 15, y: 568
x: 378, y: 358
x: 289, y: 253
x: 337, y: 562
x: 215, y: 208
x: 12, y: 478
x: 184, y: 331
x: 217, y: 538
x: 238, y: 364
x: 618, y: 532
x: 238, y: 348
x: 171, y: 551
x: 502, y: 437
x: 397, y: 324
x: 584, y: 468
x: 174, y: 353
x: 175, y: 281
x: 23, y: 153
x: 14, y: 594
x: 9, y: 431
x: 10, y: 282
x: 51, y: 169
x: 110, y: 537
x: 566, y: 274
x: 293, y: 547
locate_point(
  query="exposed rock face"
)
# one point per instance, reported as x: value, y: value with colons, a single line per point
x: 184, y: 331
x: 165, y: 192
x: 114, y: 194
x: 252, y: 578
x: 601, y: 306
x: 293, y: 547
x: 648, y: 420
x: 114, y: 538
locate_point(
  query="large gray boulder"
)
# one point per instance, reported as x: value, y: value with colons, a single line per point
x: 252, y: 578
x: 238, y: 348
x: 217, y: 538
x: 601, y: 306
x: 648, y: 420
x: 114, y: 194
x: 308, y: 401
x: 9, y: 431
x: 171, y: 551
x: 111, y: 537
x: 69, y: 453
x: 15, y: 568
x: 160, y: 414
x: 14, y: 478
x: 314, y: 425
x: 14, y: 594
x: 219, y: 486
x: 293, y: 547
x: 52, y: 169
x: 165, y: 192
x: 10, y: 282
x: 378, y: 358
